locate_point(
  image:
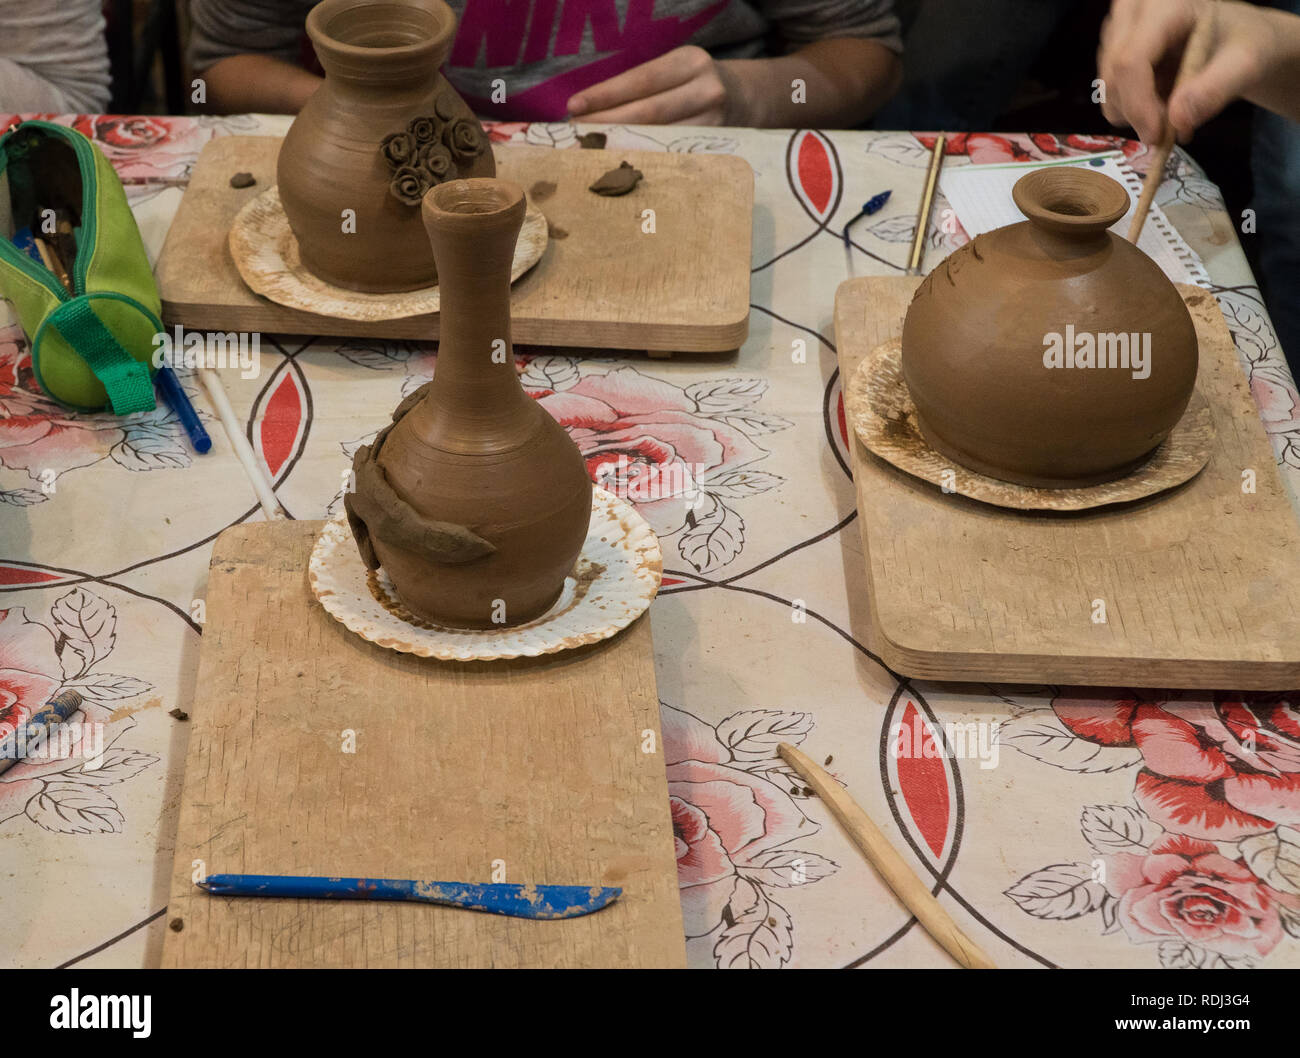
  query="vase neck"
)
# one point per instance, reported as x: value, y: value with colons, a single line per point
x: 1070, y: 209
x: 384, y: 47
x: 473, y: 226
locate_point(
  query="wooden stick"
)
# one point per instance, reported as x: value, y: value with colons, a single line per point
x: 1195, y: 53
x: 52, y: 261
x: 909, y: 889
x: 927, y: 203
x: 257, y: 474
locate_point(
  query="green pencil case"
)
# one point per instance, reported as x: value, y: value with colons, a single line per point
x: 91, y: 344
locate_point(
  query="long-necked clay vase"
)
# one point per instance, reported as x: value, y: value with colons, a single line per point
x: 995, y: 342
x: 475, y: 500
x: 382, y: 129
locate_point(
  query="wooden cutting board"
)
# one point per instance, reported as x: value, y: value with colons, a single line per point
x: 605, y: 284
x: 1201, y: 584
x: 538, y: 763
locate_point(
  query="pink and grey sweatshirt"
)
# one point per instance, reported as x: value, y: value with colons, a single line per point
x: 547, y: 50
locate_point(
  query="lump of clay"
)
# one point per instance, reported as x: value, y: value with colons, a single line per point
x: 617, y: 181
x: 1050, y: 353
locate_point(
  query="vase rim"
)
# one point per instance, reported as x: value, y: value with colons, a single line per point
x: 321, y: 18
x: 475, y: 200
x: 1070, y: 199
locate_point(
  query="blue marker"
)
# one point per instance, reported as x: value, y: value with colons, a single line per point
x: 174, y: 397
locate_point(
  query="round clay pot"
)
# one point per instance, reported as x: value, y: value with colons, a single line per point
x: 475, y: 500
x: 381, y: 65
x: 985, y: 325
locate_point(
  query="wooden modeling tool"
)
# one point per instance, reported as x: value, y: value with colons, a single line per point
x: 51, y: 260
x: 927, y: 203
x: 909, y: 888
x: 1195, y: 54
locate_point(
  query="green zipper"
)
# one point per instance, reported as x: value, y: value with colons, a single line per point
x: 85, y: 244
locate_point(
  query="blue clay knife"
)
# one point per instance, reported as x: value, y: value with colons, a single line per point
x: 519, y: 901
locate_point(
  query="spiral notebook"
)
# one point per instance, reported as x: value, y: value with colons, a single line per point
x: 981, y: 197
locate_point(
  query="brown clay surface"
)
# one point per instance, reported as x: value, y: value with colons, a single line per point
x: 474, y: 498
x: 973, y: 342
x: 381, y: 81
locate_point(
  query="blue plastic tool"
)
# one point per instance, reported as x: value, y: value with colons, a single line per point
x: 518, y: 901
x: 175, y: 397
x: 872, y: 205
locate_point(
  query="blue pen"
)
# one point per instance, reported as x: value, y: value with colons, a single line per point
x: 872, y: 205
x: 174, y: 397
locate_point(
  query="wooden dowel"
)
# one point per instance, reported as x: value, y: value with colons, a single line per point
x: 1195, y: 54
x: 909, y: 888
x: 927, y: 203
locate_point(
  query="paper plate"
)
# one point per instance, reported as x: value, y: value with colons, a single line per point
x: 266, y: 254
x: 617, y: 574
x: 880, y: 410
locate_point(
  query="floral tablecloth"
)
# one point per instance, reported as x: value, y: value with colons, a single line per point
x: 1061, y: 828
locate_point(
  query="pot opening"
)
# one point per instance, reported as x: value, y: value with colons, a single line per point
x: 476, y: 197
x: 383, y: 26
x: 1066, y: 198
x: 1070, y: 208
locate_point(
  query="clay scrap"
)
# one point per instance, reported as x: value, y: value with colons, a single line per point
x: 617, y: 181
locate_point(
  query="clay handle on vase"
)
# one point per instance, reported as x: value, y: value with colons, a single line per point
x: 377, y: 510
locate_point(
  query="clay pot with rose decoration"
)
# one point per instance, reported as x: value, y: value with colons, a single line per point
x: 383, y: 128
x: 474, y: 500
x: 1050, y: 353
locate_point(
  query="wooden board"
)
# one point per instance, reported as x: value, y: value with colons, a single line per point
x: 537, y: 763
x: 606, y: 284
x: 1201, y: 584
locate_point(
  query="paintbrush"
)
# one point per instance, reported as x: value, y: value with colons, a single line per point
x: 909, y: 888
x: 517, y: 901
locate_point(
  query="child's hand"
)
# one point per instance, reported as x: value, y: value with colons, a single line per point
x: 682, y: 87
x: 1143, y: 40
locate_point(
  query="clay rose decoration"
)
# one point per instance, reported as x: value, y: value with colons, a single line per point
x: 423, y: 130
x: 398, y: 149
x: 1185, y: 890
x: 435, y: 159
x: 408, y: 185
x: 464, y: 138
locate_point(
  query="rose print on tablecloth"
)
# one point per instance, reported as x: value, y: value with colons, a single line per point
x: 1206, y: 865
x: 1202, y: 905
x: 140, y: 147
x: 683, y: 455
x: 1215, y: 770
x: 145, y: 147
x: 62, y: 786
x: 41, y: 440
x: 734, y: 817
